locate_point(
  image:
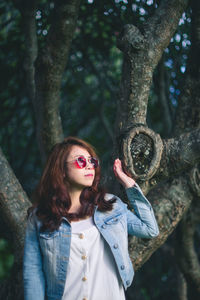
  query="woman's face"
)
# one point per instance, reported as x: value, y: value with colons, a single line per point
x: 79, y: 177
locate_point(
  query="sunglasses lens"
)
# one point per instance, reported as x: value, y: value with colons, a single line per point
x: 81, y: 162
x: 94, y: 162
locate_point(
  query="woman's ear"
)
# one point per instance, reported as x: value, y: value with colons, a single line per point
x: 64, y: 170
x: 64, y: 174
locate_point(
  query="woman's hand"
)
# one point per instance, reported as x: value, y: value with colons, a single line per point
x: 122, y: 177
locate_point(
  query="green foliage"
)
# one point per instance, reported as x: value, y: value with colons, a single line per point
x: 6, y: 258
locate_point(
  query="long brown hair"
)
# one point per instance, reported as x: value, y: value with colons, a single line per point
x: 52, y: 199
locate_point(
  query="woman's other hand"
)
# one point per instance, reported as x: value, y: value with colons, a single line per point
x: 121, y: 176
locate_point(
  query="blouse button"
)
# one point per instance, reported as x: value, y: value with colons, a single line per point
x: 122, y: 267
x: 84, y: 298
x: 128, y: 282
x: 84, y: 278
x: 84, y: 257
x: 103, y: 226
x: 115, y: 246
x: 81, y: 236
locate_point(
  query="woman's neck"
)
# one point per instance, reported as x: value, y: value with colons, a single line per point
x: 75, y: 200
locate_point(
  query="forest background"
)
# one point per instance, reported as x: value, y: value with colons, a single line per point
x: 76, y: 68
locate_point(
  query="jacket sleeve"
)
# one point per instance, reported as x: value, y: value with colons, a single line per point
x: 34, y: 282
x: 142, y: 223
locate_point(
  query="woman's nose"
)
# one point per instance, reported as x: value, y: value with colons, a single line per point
x: 89, y: 165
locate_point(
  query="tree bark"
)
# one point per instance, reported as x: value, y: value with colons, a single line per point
x: 14, y: 204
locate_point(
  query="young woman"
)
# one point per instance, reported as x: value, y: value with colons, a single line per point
x: 76, y: 245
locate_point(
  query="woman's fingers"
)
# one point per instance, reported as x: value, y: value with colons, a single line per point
x: 117, y: 167
x: 121, y: 176
x: 118, y: 171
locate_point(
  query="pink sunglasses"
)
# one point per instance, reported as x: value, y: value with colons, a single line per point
x: 81, y: 162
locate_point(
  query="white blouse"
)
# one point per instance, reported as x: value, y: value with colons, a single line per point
x: 92, y: 273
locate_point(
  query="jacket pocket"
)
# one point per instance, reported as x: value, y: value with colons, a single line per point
x: 49, y: 241
x: 113, y: 219
x: 48, y: 235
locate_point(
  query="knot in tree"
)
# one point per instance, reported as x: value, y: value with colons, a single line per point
x: 142, y: 150
x: 130, y: 39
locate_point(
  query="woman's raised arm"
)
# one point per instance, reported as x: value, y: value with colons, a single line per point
x: 142, y: 222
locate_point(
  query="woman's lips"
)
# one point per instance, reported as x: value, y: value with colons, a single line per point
x: 89, y: 175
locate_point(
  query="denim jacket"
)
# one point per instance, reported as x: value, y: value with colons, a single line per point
x: 46, y: 254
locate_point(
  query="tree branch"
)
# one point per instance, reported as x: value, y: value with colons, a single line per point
x: 162, y: 25
x: 182, y: 285
x: 179, y: 154
x: 28, y: 12
x: 13, y: 202
x: 169, y: 201
x: 160, y: 84
x: 142, y: 51
x: 50, y: 66
x: 136, y: 79
x: 185, y: 252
